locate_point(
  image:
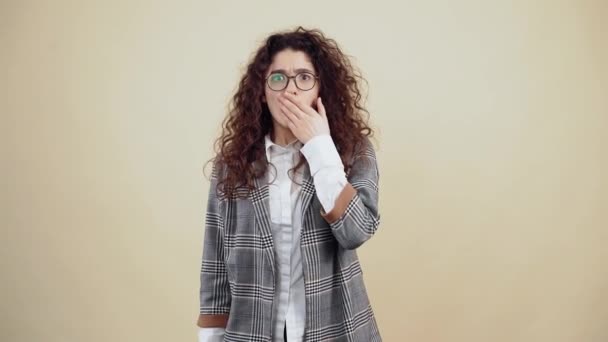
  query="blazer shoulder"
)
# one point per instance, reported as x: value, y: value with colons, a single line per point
x: 365, y: 150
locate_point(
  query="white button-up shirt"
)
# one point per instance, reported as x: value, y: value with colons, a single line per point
x: 329, y: 179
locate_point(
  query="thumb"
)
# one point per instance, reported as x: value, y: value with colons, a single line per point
x: 321, y: 107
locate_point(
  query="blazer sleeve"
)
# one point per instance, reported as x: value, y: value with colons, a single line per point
x: 215, y: 296
x: 355, y: 216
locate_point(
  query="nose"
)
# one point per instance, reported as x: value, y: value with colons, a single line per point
x: 291, y: 86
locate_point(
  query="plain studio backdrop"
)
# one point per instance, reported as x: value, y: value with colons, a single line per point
x: 491, y: 120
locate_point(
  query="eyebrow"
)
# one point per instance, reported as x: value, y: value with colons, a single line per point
x: 297, y: 70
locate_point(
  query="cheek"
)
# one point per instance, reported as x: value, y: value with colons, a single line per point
x: 312, y: 101
x: 274, y: 102
x: 313, y: 98
x: 275, y: 106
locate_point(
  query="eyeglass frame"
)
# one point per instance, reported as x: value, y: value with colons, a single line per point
x: 294, y: 81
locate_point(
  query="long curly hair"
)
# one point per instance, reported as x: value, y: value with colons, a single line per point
x: 239, y: 151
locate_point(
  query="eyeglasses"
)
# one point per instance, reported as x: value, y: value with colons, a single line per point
x: 304, y: 81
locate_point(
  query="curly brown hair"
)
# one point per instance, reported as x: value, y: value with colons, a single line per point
x: 239, y: 151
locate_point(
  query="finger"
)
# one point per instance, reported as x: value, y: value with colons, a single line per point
x: 302, y: 108
x: 290, y: 121
x: 291, y: 106
x: 289, y: 114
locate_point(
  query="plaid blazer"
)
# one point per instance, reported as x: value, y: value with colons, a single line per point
x: 238, y: 267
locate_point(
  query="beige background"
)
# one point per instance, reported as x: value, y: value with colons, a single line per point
x: 491, y: 119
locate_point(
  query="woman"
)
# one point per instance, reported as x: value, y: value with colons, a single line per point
x: 294, y: 192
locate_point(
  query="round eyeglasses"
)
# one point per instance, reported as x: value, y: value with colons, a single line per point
x: 304, y: 81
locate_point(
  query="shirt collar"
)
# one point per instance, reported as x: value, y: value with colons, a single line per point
x: 295, y: 145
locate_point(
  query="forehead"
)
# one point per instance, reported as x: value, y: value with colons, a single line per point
x: 290, y: 60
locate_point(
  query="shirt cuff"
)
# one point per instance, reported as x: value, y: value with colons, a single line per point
x: 329, y: 183
x: 320, y: 152
x: 211, y: 334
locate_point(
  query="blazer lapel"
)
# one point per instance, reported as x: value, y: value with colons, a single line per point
x: 307, y: 192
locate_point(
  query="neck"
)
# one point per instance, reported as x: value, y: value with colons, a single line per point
x: 282, y: 136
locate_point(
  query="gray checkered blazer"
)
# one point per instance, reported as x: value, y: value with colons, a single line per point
x: 238, y: 270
